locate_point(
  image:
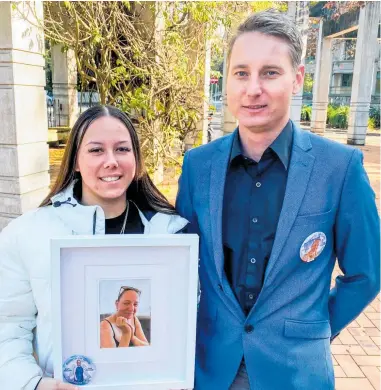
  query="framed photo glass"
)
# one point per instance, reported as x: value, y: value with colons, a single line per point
x: 124, y: 311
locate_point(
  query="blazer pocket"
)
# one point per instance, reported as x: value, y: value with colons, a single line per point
x: 307, y: 330
x: 315, y: 218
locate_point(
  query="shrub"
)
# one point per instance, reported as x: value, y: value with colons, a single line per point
x: 374, y: 117
x: 371, y: 124
x: 306, y: 113
x: 338, y: 116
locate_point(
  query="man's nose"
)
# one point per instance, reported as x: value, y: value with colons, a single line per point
x: 254, y: 87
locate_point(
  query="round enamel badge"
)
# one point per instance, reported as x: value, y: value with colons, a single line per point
x: 78, y: 370
x: 312, y: 246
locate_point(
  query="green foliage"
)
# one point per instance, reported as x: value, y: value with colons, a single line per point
x: 338, y: 116
x: 308, y: 83
x: 306, y: 113
x: 148, y: 59
x: 374, y: 117
x: 257, y: 6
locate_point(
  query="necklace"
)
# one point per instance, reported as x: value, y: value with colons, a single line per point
x: 125, y: 218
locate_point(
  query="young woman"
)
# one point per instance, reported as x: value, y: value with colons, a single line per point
x: 102, y: 188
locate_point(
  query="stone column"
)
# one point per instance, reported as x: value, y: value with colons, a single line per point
x: 24, y: 157
x: 299, y: 11
x: 366, y: 48
x: 64, y: 77
x: 322, y: 79
x: 229, y: 122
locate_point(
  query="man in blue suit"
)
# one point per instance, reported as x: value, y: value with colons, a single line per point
x: 275, y: 207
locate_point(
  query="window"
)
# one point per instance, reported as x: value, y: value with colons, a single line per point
x: 346, y: 80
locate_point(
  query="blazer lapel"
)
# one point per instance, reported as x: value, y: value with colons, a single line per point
x: 300, y: 169
x: 219, y: 166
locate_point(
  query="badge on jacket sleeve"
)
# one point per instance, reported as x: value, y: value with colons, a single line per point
x: 78, y: 370
x: 312, y: 246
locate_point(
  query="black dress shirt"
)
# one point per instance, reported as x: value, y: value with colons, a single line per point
x: 253, y: 199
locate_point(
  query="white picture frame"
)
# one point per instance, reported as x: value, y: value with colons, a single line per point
x: 84, y: 271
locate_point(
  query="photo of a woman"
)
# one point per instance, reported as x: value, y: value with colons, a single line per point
x: 123, y: 328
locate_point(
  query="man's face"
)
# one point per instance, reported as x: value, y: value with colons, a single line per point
x: 261, y: 82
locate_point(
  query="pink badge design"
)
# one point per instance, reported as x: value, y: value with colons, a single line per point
x: 312, y: 246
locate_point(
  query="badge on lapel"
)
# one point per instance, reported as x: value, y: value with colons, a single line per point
x: 312, y: 246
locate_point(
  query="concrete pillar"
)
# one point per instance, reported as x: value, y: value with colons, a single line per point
x: 229, y: 122
x: 64, y: 78
x: 322, y: 79
x: 366, y: 49
x: 375, y: 70
x: 299, y: 12
x: 24, y: 157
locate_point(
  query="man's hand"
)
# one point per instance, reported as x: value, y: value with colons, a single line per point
x: 54, y: 384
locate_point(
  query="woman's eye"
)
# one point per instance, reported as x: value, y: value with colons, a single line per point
x: 124, y: 149
x: 95, y: 150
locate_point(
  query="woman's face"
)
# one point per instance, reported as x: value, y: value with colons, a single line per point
x: 127, y: 305
x: 106, y: 161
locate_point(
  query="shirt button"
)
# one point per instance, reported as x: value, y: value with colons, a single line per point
x: 253, y: 261
x: 258, y: 184
x: 251, y: 296
x: 249, y: 328
x: 255, y: 220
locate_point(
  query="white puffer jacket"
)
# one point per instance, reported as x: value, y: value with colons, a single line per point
x: 25, y: 284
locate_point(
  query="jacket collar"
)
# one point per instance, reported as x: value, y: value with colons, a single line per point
x: 281, y: 146
x: 90, y: 220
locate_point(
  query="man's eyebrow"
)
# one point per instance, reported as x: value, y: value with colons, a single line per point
x: 239, y: 66
x: 272, y: 67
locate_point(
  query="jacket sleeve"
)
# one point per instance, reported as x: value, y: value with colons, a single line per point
x: 357, y: 246
x: 184, y: 204
x: 18, y: 367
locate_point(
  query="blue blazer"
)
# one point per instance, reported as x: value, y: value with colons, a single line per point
x: 285, y: 339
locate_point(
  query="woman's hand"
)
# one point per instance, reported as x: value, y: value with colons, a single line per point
x: 131, y: 323
x: 54, y: 384
x: 123, y: 325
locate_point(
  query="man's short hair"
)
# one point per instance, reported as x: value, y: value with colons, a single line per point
x: 276, y: 24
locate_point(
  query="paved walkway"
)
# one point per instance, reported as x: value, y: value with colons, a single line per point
x: 356, y: 352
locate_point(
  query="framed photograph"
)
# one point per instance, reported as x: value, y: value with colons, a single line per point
x: 124, y: 311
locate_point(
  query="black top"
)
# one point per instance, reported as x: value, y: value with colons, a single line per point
x: 253, y: 199
x: 134, y: 224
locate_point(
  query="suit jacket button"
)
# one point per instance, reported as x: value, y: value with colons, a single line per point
x: 249, y: 328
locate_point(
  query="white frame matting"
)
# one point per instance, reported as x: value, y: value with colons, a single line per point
x: 170, y: 263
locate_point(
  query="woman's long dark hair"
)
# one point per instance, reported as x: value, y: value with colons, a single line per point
x: 141, y: 191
